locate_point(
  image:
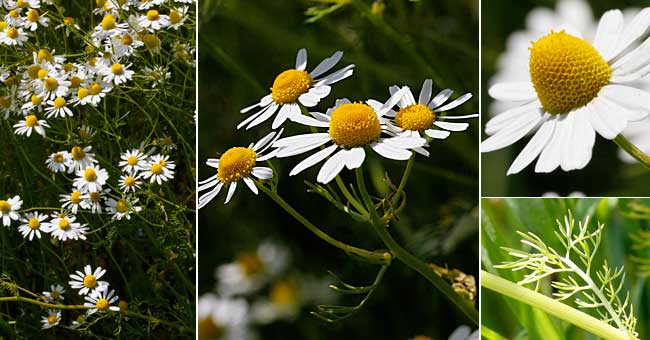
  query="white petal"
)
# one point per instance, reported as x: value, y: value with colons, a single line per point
x: 282, y: 116
x: 354, y: 157
x: 270, y: 110
x: 326, y: 64
x: 609, y: 30
x: 388, y: 151
x: 251, y: 185
x: 581, y: 142
x: 510, y: 116
x: 515, y: 91
x: 551, y: 155
x: 313, y: 159
x: 452, y: 126
x: 331, y: 168
x: 635, y: 100
x: 425, y: 93
x: 533, y: 148
x: 309, y: 121
x: 514, y: 131
x: 267, y: 141
x: 440, y: 98
x: 309, y: 99
x: 298, y: 149
x: 602, y: 111
x: 458, y: 101
x: 306, y: 138
x: 262, y: 172
x: 633, y: 31
x: 337, y: 76
x: 438, y: 134
x: 392, y: 101
x: 301, y: 60
x: 231, y: 191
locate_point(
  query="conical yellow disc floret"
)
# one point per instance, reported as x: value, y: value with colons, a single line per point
x: 354, y: 125
x: 416, y: 117
x: 235, y: 164
x: 289, y: 85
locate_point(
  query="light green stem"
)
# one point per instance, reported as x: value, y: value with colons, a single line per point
x: 41, y: 303
x: 405, y: 177
x: 553, y: 307
x: 632, y: 150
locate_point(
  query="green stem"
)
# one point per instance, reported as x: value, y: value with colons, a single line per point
x: 632, y: 150
x: 379, y: 257
x: 405, y: 178
x: 41, y: 303
x: 357, y: 205
x: 553, y: 307
x: 409, y: 259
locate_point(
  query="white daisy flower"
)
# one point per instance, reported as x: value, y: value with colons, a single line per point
x: 13, y: 36
x: 32, y: 223
x: 122, y: 208
x: 93, y: 201
x: 22, y: 4
x: 125, y: 44
x: 80, y: 158
x: 92, y: 94
x: 223, y: 318
x: 58, y: 108
x: 35, y: 103
x: 68, y: 24
x: 29, y: 124
x: 72, y: 201
x: 296, y: 86
x: 573, y: 89
x: 108, y: 27
x: 53, y: 86
x: 283, y: 303
x: 157, y: 75
x: 464, y: 333
x: 86, y: 132
x: 129, y: 183
x: 9, y: 210
x: 159, y: 169
x: 13, y: 17
x: 420, y: 117
x: 237, y: 164
x: 55, y: 293
x: 52, y: 319
x: 88, y: 281
x: 34, y: 19
x: 352, y: 127
x: 101, y: 301
x: 63, y: 227
x: 57, y: 161
x: 90, y: 179
x: 177, y: 17
x: 133, y: 161
x: 153, y: 20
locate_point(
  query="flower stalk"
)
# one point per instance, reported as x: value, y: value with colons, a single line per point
x: 632, y: 150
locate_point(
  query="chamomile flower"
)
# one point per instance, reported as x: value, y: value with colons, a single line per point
x: 92, y: 94
x: 68, y: 25
x: 421, y: 116
x: 72, y: 201
x: 34, y: 19
x: 32, y: 223
x: 125, y: 44
x: 58, y: 107
x: 29, y: 124
x: 153, y: 20
x: 35, y: 103
x: 52, y: 86
x: 108, y: 27
x: 63, y: 227
x: 55, y: 293
x: 117, y: 73
x: 80, y: 158
x: 22, y: 4
x: 159, y: 169
x: 122, y: 208
x: 129, y: 183
x: 352, y: 127
x: 52, y: 319
x: 92, y: 178
x: 88, y: 280
x: 177, y: 17
x: 223, y: 318
x: 13, y: 36
x: 101, y: 301
x: 573, y: 89
x: 296, y: 86
x: 237, y: 164
x: 93, y: 201
x: 157, y: 75
x: 86, y: 132
x: 57, y: 161
x: 133, y: 161
x: 9, y: 210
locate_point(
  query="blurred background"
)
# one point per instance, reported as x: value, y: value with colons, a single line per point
x: 244, y: 44
x: 624, y: 242
x: 606, y: 174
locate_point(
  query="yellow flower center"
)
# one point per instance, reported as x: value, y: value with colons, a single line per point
x: 95, y: 89
x: 92, y: 62
x: 175, y: 17
x: 44, y: 54
x: 156, y: 169
x: 68, y: 21
x: 14, y: 13
x: 95, y: 196
x: 415, y: 117
x: 34, y: 223
x: 55, y: 293
x: 127, y: 40
x: 102, y: 304
x: 68, y: 67
x: 33, y: 71
x: 33, y: 15
x: 132, y: 160
x: 250, y: 263
x: 108, y: 22
x: 129, y: 181
x: 64, y: 224
x: 41, y: 73
x: 51, y: 319
x: 90, y: 175
x: 78, y: 153
x: 100, y: 3
x: 36, y: 100
x: 567, y: 72
x: 59, y: 102
x: 235, y: 164
x: 354, y: 125
x: 5, y: 207
x: 83, y: 93
x: 421, y: 337
x: 58, y: 158
x: 3, y: 25
x: 122, y: 206
x: 75, y: 82
x: 75, y: 197
x: 151, y: 41
x: 289, y: 85
x: 31, y: 121
x: 4, y: 102
x: 12, y: 33
x: 117, y: 69
x: 152, y: 15
x: 51, y: 84
x: 22, y: 4
x: 284, y: 293
x: 90, y: 281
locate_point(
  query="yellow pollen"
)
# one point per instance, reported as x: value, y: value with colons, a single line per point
x: 51, y: 319
x: 289, y: 85
x: 5, y: 207
x: 132, y: 160
x: 117, y: 69
x: 284, y: 293
x: 415, y: 117
x: 122, y: 206
x: 127, y: 40
x: 95, y: 196
x: 129, y: 181
x: 36, y: 100
x: 175, y: 16
x: 90, y: 175
x: 34, y: 223
x: 51, y: 84
x: 44, y: 54
x: 152, y: 15
x: 83, y: 93
x: 95, y: 89
x: 353, y: 125
x: 31, y: 121
x: 75, y: 197
x: 41, y: 73
x: 68, y: 21
x: 75, y: 82
x: 567, y: 72
x: 69, y: 67
x: 162, y: 163
x: 77, y: 153
x: 102, y: 304
x: 14, y: 13
x: 92, y: 62
x: 235, y: 164
x: 3, y: 25
x: 54, y: 294
x: 33, y: 15
x: 250, y: 263
x: 151, y: 41
x: 90, y: 281
x: 59, y: 102
x: 22, y: 3
x: 64, y: 224
x: 58, y: 158
x: 12, y: 33
x: 108, y: 22
x: 33, y: 71
x: 156, y: 169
